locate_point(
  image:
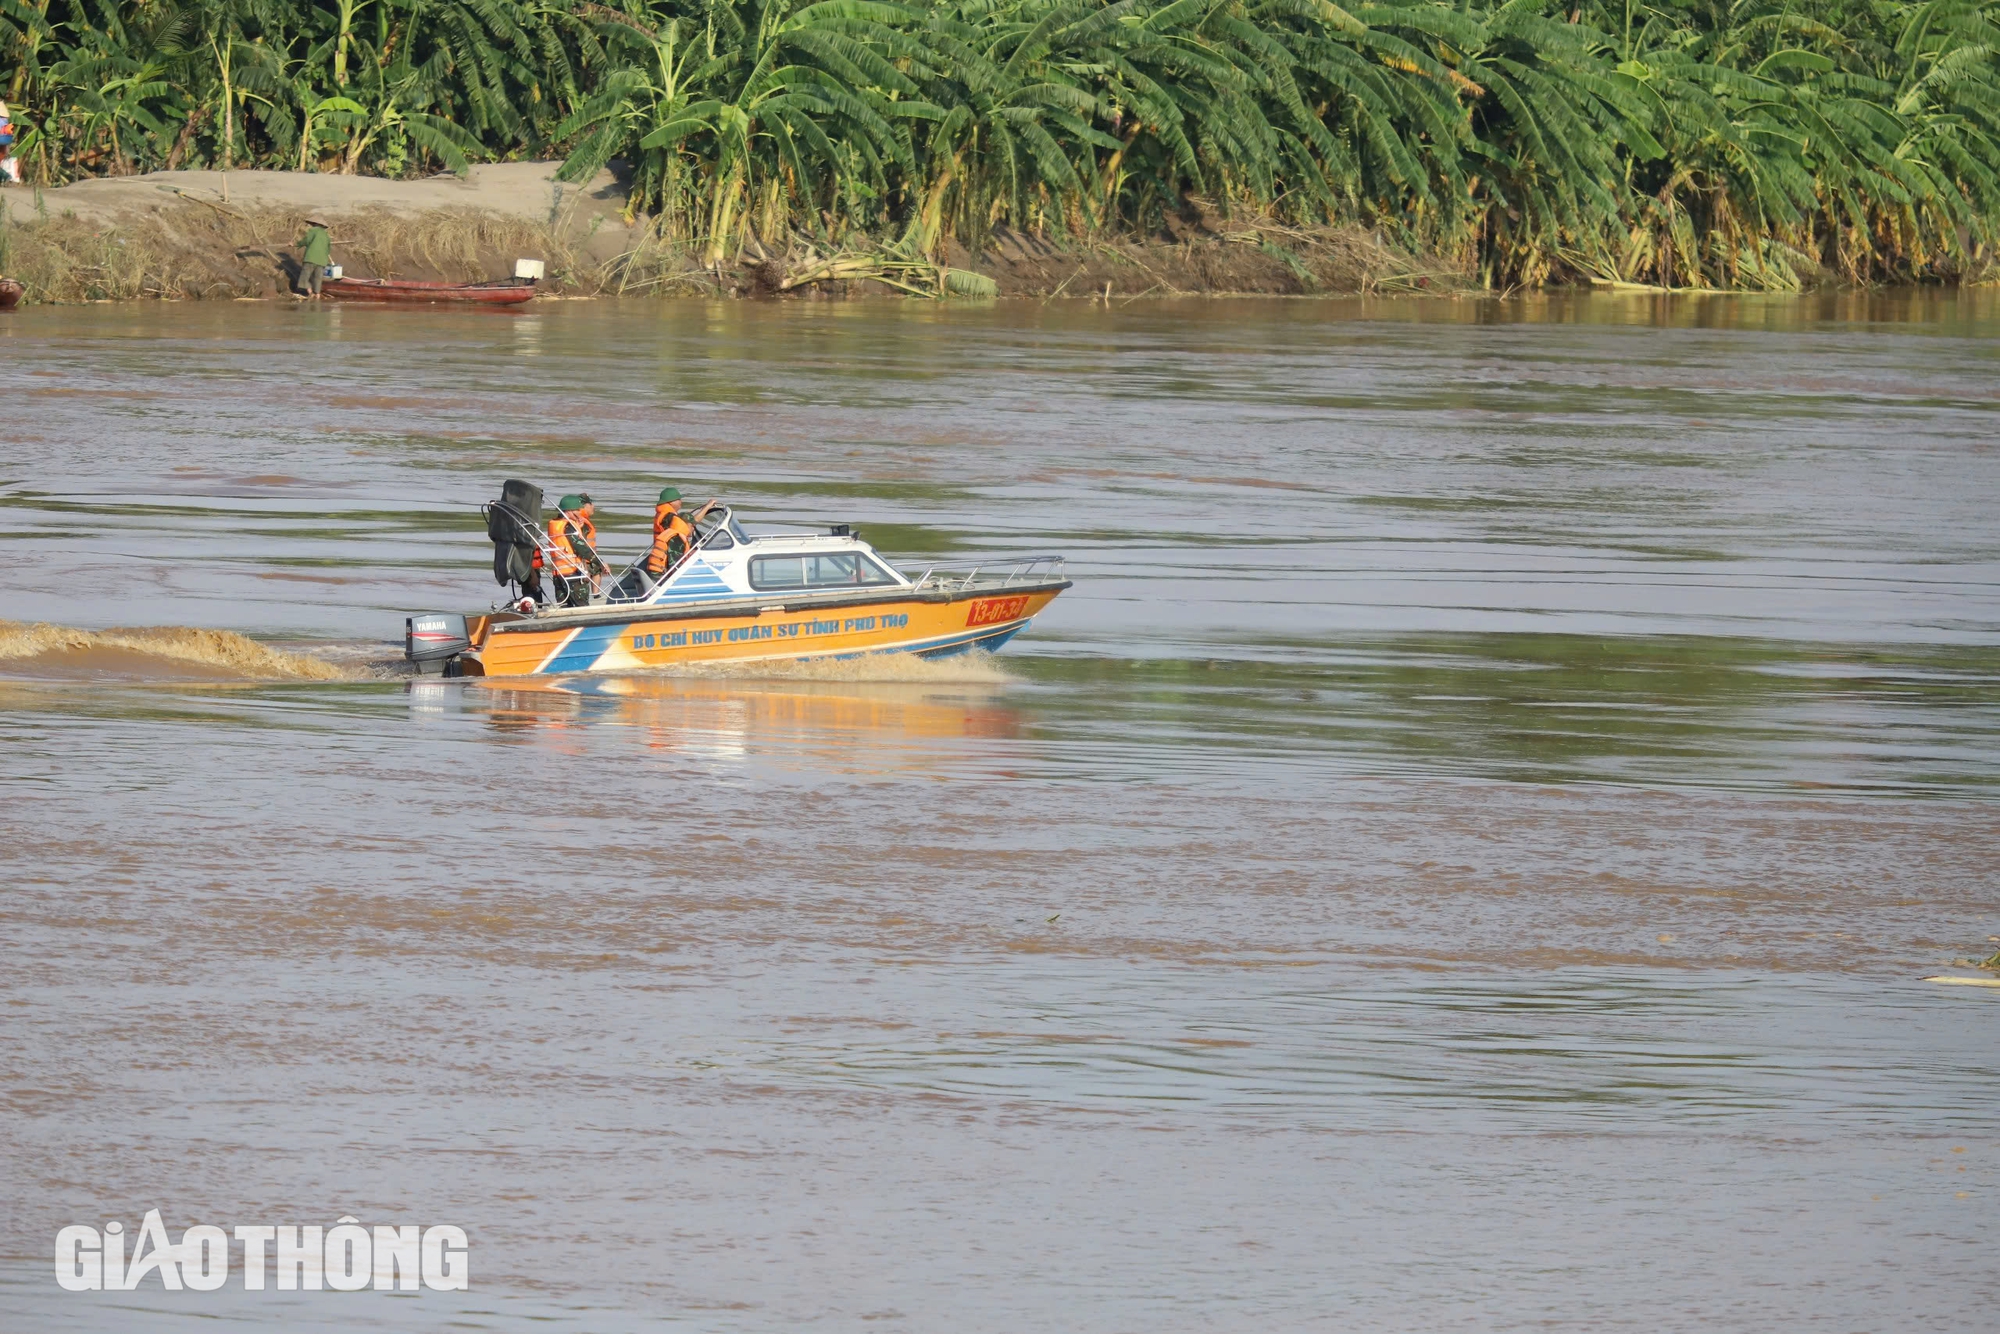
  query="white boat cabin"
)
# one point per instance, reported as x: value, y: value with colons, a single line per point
x: 730, y: 563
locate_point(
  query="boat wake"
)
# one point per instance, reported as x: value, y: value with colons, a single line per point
x: 159, y: 652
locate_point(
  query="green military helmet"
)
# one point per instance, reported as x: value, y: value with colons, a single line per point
x: 669, y: 494
x: 570, y: 502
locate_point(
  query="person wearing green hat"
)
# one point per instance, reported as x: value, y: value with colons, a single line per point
x: 573, y: 537
x: 673, y: 535
x: 315, y: 253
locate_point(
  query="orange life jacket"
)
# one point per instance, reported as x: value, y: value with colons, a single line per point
x: 567, y: 561
x: 668, y: 528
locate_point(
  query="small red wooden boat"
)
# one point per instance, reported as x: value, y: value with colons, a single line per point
x: 508, y: 292
x: 11, y: 293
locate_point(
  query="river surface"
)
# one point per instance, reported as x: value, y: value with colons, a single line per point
x: 1466, y: 853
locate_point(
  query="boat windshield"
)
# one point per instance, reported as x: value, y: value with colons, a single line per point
x: 730, y: 535
x: 828, y: 569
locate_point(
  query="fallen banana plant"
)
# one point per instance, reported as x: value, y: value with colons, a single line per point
x: 918, y: 277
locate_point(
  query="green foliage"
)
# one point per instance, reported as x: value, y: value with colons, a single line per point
x: 1760, y: 144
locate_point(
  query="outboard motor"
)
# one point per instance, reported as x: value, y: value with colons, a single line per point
x: 433, y: 642
x: 513, y: 522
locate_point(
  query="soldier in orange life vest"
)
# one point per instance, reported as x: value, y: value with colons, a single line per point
x: 672, y: 533
x: 573, y: 537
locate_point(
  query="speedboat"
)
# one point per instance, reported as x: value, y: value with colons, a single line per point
x: 732, y: 597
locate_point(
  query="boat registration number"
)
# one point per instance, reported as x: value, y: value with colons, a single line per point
x: 991, y: 611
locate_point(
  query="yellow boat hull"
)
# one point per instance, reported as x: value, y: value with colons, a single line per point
x: 637, y: 638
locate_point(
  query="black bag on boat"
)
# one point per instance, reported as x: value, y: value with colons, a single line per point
x: 511, y: 523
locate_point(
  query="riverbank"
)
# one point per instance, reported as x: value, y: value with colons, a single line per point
x: 201, y: 234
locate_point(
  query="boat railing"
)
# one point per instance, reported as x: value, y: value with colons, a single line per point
x: 531, y: 530
x: 633, y: 585
x: 995, y: 572
x: 605, y: 587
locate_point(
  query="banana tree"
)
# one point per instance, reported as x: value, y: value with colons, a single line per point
x: 25, y: 33
x: 392, y: 101
x: 1947, y: 96
x: 314, y: 113
x: 118, y: 90
x: 1014, y: 123
x: 652, y: 89
x: 765, y: 99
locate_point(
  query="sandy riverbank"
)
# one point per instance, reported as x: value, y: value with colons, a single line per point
x: 184, y: 234
x: 188, y: 234
x: 527, y: 191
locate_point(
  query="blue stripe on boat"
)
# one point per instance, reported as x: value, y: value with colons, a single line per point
x: 948, y: 646
x: 991, y: 641
x: 584, y: 648
x: 698, y: 581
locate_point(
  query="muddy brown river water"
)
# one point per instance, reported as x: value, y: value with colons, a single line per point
x: 1466, y: 854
